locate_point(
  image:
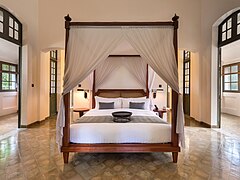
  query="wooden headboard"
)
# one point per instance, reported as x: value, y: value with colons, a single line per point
x: 115, y: 93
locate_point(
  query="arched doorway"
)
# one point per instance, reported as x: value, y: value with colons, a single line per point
x: 226, y: 31
x: 10, y: 64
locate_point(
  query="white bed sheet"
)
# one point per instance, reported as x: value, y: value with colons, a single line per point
x: 120, y: 132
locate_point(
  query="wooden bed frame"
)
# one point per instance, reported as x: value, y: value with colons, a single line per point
x: 173, y: 146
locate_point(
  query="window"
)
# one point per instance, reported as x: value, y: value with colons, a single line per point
x: 186, y: 72
x: 10, y: 27
x: 8, y: 77
x: 231, y: 78
x: 229, y: 29
x: 1, y: 22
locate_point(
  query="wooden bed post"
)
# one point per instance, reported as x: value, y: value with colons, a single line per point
x: 147, y: 90
x: 175, y: 94
x: 93, y: 89
x: 66, y: 129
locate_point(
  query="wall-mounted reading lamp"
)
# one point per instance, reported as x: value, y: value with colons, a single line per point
x: 160, y: 89
x: 81, y: 89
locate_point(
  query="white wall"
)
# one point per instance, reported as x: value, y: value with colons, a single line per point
x: 8, y: 103
x: 27, y: 12
x: 211, y: 11
x: 8, y: 100
x: 230, y: 102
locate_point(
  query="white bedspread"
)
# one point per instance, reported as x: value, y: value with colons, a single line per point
x: 120, y: 132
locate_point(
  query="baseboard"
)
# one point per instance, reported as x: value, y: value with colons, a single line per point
x: 34, y: 123
x: 203, y: 124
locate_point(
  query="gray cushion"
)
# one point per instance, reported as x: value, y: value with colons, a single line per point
x: 106, y: 105
x: 137, y: 105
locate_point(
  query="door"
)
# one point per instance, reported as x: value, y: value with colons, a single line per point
x: 53, y: 83
x: 186, y: 82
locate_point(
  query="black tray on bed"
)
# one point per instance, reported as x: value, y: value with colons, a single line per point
x: 121, y: 116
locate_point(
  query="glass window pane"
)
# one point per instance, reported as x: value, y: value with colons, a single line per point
x: 229, y: 34
x: 1, y: 16
x: 5, y: 67
x: 1, y: 27
x: 227, y: 70
x: 238, y: 18
x: 234, y: 77
x: 224, y: 27
x: 227, y: 86
x: 224, y: 36
x: 238, y: 29
x: 12, y: 85
x: 234, y: 86
x: 186, y: 78
x: 16, y: 25
x: 13, y: 77
x: 52, y: 90
x: 5, y: 76
x: 10, y: 22
x: 5, y: 85
x: 52, y: 83
x: 227, y: 78
x: 234, y: 68
x: 10, y: 32
x: 13, y: 68
x: 229, y: 23
x: 186, y: 84
x: 53, y: 77
x: 16, y: 35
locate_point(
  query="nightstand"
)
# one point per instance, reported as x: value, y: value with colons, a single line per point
x: 80, y: 111
x: 160, y: 112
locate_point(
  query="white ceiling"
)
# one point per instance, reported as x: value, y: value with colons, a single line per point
x: 8, y: 51
x: 231, y: 52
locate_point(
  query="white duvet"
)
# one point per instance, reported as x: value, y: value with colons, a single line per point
x: 120, y: 132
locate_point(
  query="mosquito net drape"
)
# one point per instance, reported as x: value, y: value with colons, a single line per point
x: 136, y: 66
x: 89, y: 46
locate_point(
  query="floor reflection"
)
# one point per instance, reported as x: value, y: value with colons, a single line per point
x: 209, y: 154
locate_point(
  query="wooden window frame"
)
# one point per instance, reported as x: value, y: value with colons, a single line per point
x: 5, y: 33
x: 234, y: 35
x: 223, y: 79
x: 9, y: 72
x: 186, y: 60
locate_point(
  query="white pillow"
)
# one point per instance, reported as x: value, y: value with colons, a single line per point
x: 126, y: 101
x: 117, y: 101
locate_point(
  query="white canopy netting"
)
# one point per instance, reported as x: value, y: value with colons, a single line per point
x: 88, y: 47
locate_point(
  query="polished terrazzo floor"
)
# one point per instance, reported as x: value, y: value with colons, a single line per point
x: 209, y: 154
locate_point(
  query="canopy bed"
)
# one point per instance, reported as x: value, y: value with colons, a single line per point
x: 90, y: 43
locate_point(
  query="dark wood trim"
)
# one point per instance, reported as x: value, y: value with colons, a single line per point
x: 5, y: 34
x: 157, y: 23
x: 174, y: 136
x: 19, y: 85
x: 93, y: 89
x: 147, y: 76
x: 136, y: 147
x: 66, y: 129
x: 234, y: 35
x: 121, y: 90
x: 119, y: 55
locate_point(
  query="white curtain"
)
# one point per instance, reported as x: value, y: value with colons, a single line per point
x: 155, y: 45
x: 137, y: 67
x: 151, y: 78
x: 105, y: 69
x: 87, y: 47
